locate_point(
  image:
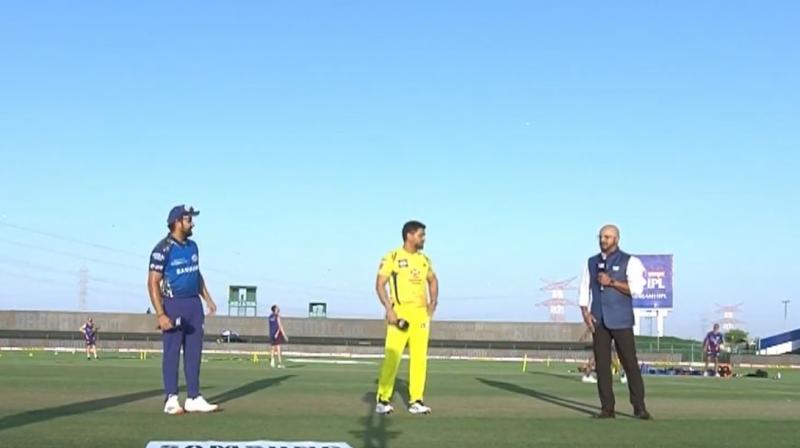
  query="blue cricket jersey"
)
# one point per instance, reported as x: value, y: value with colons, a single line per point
x: 88, y: 332
x: 714, y: 341
x: 180, y: 265
x: 273, y: 325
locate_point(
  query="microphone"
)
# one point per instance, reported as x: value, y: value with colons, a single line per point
x: 601, y: 267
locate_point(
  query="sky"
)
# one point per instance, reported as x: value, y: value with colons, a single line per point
x: 307, y: 133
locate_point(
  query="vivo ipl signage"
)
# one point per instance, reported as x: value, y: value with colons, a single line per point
x: 658, y: 289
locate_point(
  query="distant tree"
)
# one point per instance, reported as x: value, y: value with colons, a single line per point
x: 736, y: 336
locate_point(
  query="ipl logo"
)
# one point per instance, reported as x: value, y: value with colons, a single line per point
x: 655, y: 280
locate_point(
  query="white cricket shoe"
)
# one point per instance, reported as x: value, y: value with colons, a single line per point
x: 623, y: 379
x: 418, y: 408
x: 589, y: 379
x: 172, y: 406
x: 384, y: 408
x: 199, y: 404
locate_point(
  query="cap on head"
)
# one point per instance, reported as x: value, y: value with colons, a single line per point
x: 179, y: 211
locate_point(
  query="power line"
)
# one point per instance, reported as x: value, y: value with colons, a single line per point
x: 70, y: 239
x: 294, y: 286
x: 35, y: 278
x: 207, y: 268
x: 53, y: 281
x: 39, y: 267
x: 274, y: 283
x: 83, y: 288
x: 70, y: 254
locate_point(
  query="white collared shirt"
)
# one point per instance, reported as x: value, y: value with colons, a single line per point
x: 634, y: 274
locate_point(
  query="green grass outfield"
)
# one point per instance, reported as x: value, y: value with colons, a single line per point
x: 66, y: 401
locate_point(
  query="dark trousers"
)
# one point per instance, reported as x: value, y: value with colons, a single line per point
x: 626, y: 350
x: 189, y: 336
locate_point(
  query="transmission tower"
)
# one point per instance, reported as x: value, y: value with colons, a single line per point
x: 728, y: 312
x: 557, y: 304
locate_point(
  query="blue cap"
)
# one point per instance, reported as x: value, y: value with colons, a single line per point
x: 179, y: 211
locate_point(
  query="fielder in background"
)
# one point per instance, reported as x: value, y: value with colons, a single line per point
x: 712, y: 345
x: 89, y: 332
x: 277, y: 336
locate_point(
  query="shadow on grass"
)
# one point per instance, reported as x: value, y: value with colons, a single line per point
x: 43, y: 415
x: 576, y: 406
x: 562, y: 376
x: 376, y: 433
x: 248, y: 389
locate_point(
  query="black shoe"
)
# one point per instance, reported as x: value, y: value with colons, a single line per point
x: 642, y: 415
x: 605, y: 415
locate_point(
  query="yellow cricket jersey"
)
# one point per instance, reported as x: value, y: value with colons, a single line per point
x: 408, y: 277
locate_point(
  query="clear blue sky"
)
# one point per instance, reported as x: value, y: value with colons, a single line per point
x: 308, y: 132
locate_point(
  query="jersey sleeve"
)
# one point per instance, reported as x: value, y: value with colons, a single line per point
x: 387, y: 265
x: 158, y: 257
x: 431, y: 271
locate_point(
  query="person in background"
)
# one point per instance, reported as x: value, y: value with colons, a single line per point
x: 277, y: 336
x: 712, y: 345
x: 89, y: 331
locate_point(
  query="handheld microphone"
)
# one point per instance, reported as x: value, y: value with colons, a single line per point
x: 601, y: 267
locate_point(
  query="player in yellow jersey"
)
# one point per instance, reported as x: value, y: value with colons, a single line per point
x: 413, y: 291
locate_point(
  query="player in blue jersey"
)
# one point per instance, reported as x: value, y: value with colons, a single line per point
x: 89, y: 332
x: 176, y: 286
x: 712, y: 345
x: 277, y: 336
